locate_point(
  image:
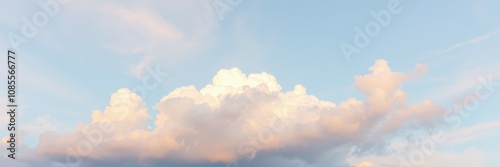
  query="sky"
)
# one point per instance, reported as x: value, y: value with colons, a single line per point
x: 254, y: 83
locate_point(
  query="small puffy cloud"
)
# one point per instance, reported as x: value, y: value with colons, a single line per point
x: 123, y: 106
x: 239, y: 115
x: 126, y: 115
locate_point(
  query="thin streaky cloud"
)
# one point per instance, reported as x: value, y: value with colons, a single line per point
x: 472, y: 41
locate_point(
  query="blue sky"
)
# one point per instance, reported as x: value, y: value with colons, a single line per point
x: 89, y: 50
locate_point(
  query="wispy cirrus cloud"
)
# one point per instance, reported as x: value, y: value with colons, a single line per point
x: 472, y: 41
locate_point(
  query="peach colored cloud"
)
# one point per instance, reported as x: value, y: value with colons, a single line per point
x: 239, y: 115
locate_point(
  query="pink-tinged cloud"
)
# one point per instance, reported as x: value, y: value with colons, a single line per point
x: 238, y: 116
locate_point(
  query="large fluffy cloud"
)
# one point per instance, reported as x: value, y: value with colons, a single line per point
x: 238, y: 116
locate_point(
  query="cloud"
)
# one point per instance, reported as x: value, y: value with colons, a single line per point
x: 155, y: 28
x: 138, y: 69
x: 170, y: 31
x: 467, y: 158
x: 474, y: 132
x: 238, y: 116
x: 471, y: 41
x: 167, y: 32
x: 365, y: 164
x: 470, y: 157
x: 41, y: 124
